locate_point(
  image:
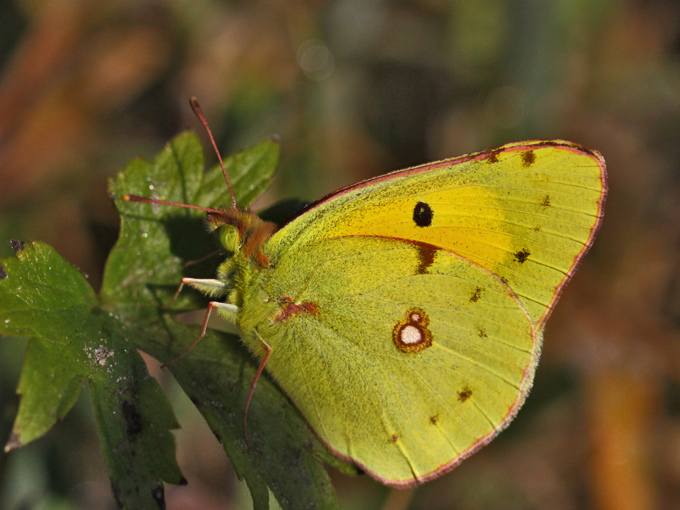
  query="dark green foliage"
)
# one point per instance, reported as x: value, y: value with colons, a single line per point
x: 76, y: 336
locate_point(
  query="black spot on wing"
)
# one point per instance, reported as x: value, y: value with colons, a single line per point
x: 546, y: 201
x: 522, y: 255
x: 422, y: 214
x: 482, y: 333
x: 528, y: 158
x: 476, y: 294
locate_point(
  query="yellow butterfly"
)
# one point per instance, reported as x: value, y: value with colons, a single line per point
x: 404, y: 315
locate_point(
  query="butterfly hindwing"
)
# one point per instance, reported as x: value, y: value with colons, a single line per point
x: 401, y: 413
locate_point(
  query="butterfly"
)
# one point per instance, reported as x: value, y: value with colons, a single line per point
x: 404, y: 315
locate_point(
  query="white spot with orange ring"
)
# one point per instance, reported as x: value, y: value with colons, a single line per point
x: 410, y: 335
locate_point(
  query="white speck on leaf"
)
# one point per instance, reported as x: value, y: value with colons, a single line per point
x: 101, y: 354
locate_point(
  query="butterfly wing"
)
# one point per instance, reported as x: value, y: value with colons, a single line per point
x: 404, y: 372
x: 526, y: 211
x: 405, y: 313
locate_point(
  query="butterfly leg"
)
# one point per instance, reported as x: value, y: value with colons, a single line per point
x: 253, y: 384
x: 208, y: 287
x: 227, y: 310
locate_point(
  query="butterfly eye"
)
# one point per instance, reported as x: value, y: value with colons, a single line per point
x: 229, y: 237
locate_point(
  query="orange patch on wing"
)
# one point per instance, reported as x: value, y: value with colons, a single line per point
x: 290, y: 308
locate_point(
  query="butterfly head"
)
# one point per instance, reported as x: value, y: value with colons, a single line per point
x: 241, y: 233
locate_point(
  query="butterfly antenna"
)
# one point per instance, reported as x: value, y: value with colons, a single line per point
x: 136, y: 198
x: 199, y: 113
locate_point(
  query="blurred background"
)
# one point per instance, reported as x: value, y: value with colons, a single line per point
x: 355, y: 88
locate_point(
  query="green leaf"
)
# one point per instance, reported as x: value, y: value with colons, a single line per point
x: 142, y: 275
x: 72, y: 339
x: 249, y: 172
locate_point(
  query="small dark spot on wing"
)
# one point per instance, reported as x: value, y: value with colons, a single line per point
x: 476, y: 295
x: 482, y: 333
x: 546, y: 201
x: 434, y: 419
x: 493, y: 156
x: 464, y: 394
x: 522, y: 255
x: 528, y: 158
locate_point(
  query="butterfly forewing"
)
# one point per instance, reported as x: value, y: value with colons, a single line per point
x: 527, y: 212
